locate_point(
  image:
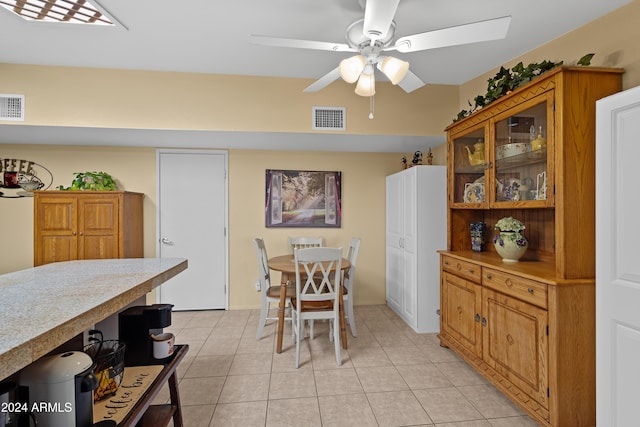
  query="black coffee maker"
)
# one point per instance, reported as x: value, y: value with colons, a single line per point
x: 135, y: 327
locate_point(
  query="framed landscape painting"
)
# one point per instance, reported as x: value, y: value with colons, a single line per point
x: 303, y: 198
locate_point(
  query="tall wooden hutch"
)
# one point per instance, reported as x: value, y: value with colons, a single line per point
x: 528, y: 327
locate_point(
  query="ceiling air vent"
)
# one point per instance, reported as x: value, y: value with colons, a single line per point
x: 12, y: 107
x: 328, y: 118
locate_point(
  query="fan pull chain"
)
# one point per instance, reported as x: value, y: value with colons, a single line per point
x: 371, y: 107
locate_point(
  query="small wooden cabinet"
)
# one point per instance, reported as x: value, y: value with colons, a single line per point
x: 529, y: 326
x: 72, y: 225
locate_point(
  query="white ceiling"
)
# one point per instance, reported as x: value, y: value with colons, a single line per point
x: 210, y: 36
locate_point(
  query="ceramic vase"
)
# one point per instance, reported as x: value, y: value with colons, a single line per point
x: 510, y: 245
x: 477, y: 230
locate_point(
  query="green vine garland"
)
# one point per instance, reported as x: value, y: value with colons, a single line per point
x: 507, y: 80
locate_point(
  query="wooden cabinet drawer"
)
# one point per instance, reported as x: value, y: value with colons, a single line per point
x: 518, y: 287
x: 460, y: 268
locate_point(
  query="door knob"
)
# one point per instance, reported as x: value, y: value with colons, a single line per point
x: 166, y: 241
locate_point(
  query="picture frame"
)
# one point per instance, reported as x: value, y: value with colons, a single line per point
x: 308, y: 199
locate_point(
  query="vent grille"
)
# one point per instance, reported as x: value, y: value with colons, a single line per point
x: 328, y: 118
x: 12, y: 107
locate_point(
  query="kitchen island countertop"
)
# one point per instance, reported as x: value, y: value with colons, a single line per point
x: 46, y: 306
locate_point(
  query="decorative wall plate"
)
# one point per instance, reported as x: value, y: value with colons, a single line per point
x: 474, y: 193
x: 510, y: 190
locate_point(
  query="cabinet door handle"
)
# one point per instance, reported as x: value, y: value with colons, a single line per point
x: 530, y: 290
x: 477, y: 317
x: 167, y: 241
x: 484, y: 321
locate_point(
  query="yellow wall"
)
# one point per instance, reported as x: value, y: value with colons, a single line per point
x: 363, y: 191
x: 133, y: 168
x: 613, y: 38
x: 68, y: 96
x: 363, y: 206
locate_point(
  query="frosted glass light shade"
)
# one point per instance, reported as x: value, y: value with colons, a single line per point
x: 351, y: 68
x: 395, y: 69
x: 366, y: 83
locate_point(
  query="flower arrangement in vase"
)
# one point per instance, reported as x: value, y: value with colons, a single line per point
x: 509, y: 242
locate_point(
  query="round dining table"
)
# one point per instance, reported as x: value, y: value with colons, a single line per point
x: 285, y: 264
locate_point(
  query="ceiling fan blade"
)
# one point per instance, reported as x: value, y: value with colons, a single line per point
x: 491, y: 29
x: 301, y: 44
x: 378, y: 15
x: 324, y: 81
x: 410, y: 82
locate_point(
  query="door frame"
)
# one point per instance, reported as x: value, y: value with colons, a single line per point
x: 224, y: 153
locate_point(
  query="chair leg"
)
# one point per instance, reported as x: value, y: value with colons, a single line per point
x: 264, y: 310
x: 296, y: 324
x: 350, y: 319
x: 336, y: 342
x: 311, y: 329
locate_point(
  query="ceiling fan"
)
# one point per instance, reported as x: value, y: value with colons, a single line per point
x: 373, y: 36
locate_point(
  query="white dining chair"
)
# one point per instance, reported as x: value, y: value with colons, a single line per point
x: 317, y: 293
x: 304, y: 242
x: 268, y: 294
x: 348, y: 282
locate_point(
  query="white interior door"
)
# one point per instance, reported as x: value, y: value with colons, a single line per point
x: 192, y: 222
x: 617, y: 266
x: 394, y: 251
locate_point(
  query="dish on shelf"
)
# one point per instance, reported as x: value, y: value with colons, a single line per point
x: 473, y: 192
x: 513, y: 149
x: 509, y: 190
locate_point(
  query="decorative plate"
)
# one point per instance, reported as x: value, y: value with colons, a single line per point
x: 474, y: 192
x: 510, y: 189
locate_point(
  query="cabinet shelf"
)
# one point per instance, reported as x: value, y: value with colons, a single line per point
x: 477, y: 169
x: 521, y: 160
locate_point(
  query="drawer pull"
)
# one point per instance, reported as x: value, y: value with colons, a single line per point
x: 470, y: 271
x: 488, y: 277
x: 530, y: 290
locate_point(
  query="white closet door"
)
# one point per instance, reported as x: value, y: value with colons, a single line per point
x: 617, y: 266
x: 192, y: 221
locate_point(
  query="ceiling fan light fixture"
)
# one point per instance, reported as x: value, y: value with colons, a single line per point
x: 351, y: 68
x: 395, y: 69
x: 366, y: 83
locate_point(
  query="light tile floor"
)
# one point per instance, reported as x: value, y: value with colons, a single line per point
x: 390, y: 376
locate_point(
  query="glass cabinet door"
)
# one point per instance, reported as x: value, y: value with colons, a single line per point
x: 522, y: 153
x: 469, y: 168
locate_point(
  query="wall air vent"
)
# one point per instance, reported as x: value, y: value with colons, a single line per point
x: 328, y: 118
x: 12, y: 107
